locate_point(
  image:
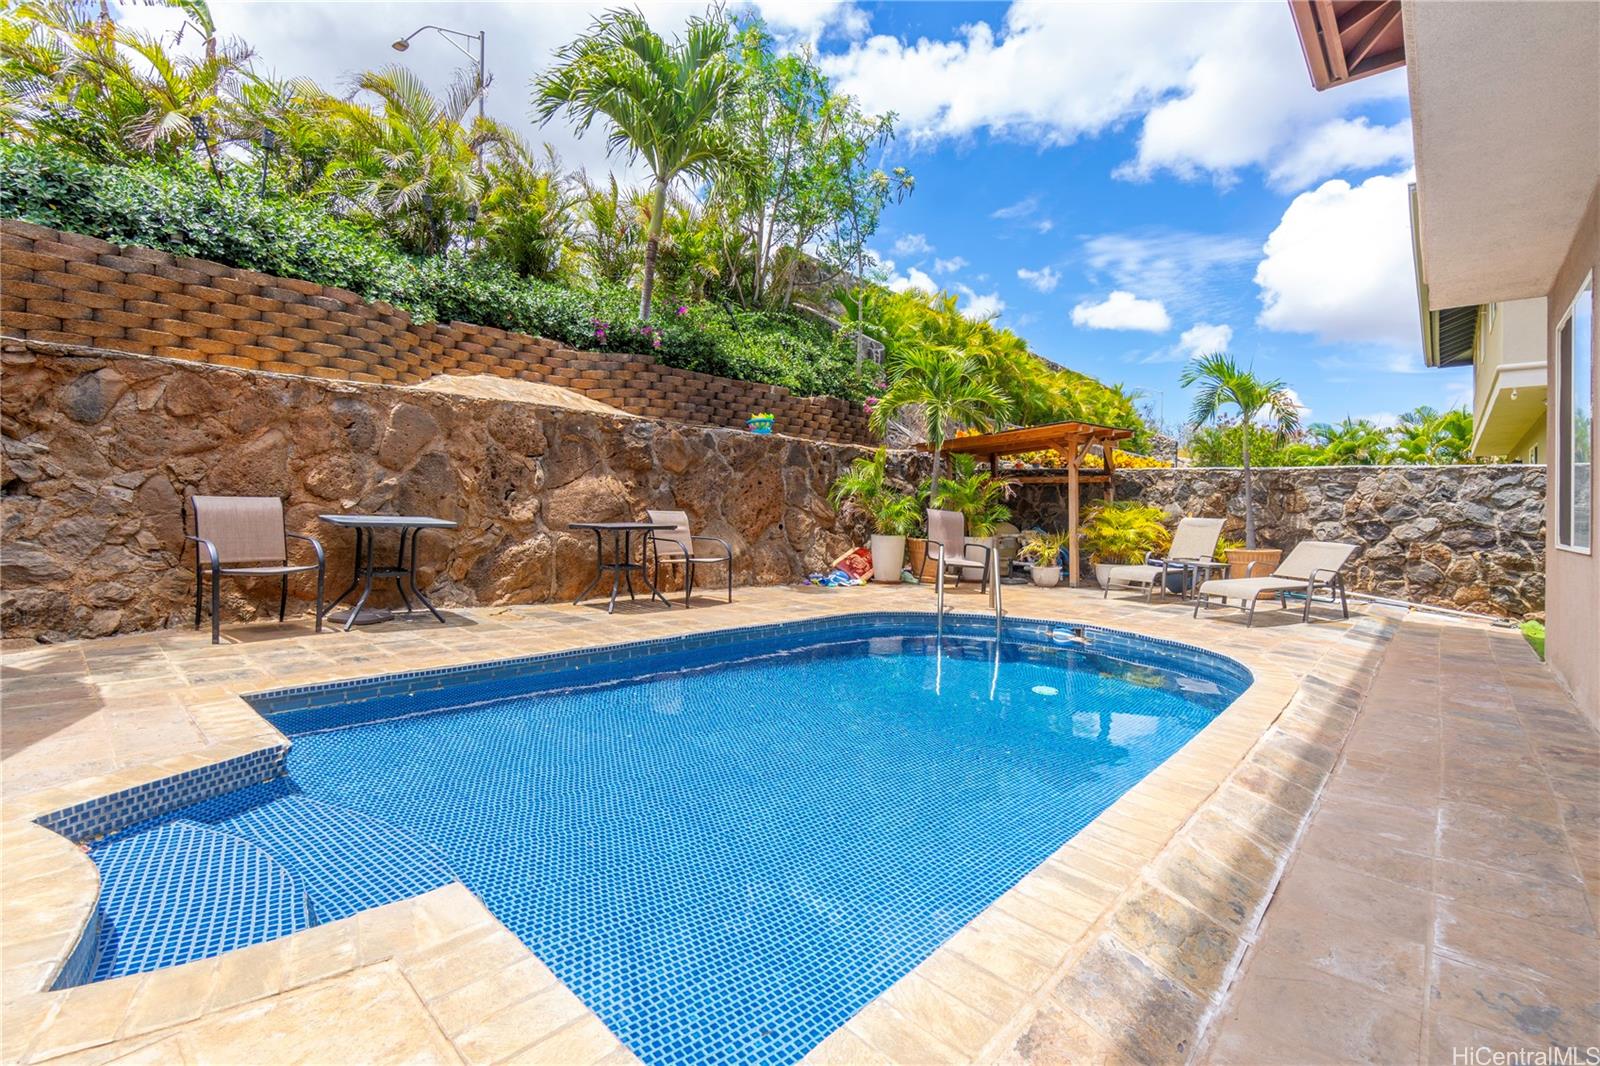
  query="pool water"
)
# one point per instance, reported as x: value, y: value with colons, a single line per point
x: 724, y: 861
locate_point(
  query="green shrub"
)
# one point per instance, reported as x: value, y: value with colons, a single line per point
x: 186, y: 212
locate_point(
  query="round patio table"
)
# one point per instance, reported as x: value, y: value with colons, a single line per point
x: 404, y: 570
x: 621, y: 564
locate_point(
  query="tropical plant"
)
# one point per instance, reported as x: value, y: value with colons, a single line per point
x: 1044, y: 549
x: 866, y: 483
x: 1224, y: 546
x: 411, y: 165
x: 977, y: 494
x: 664, y: 103
x: 947, y: 392
x: 110, y: 93
x: 1223, y: 383
x: 526, y: 219
x: 1352, y: 442
x: 1123, y: 532
x: 1434, y: 437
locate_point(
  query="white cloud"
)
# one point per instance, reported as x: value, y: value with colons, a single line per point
x: 1044, y: 225
x: 1339, y: 266
x: 912, y: 279
x: 948, y: 266
x: 1122, y: 310
x: 807, y: 22
x: 912, y: 244
x: 1045, y: 279
x: 980, y: 307
x: 1203, y: 338
x: 1197, y: 273
x: 1021, y: 209
x: 1381, y: 419
x: 1341, y: 145
x: 1052, y: 72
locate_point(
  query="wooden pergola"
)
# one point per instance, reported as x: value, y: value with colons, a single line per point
x: 1072, y: 439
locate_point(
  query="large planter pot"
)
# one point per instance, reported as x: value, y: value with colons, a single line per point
x: 888, y: 558
x: 1046, y: 577
x: 1266, y: 560
x: 1102, y: 573
x: 975, y: 573
x: 916, y: 552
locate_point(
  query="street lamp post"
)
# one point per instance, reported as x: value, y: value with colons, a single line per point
x: 455, y: 37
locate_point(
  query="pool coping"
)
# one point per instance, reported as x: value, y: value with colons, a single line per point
x: 989, y: 988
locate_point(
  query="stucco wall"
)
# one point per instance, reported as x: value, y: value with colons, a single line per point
x: 1572, y: 642
x: 101, y: 450
x: 1469, y: 537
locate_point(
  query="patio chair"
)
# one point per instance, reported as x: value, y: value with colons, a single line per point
x: 679, y: 546
x: 1312, y: 565
x: 1195, y: 540
x: 948, y: 546
x: 234, y: 530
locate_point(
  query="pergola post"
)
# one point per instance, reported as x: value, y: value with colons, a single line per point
x: 1108, y: 449
x: 1072, y: 517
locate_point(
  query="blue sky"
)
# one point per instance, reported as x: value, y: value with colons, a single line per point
x: 1127, y: 184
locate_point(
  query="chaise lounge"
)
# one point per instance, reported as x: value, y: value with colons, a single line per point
x: 1195, y: 540
x: 1313, y: 565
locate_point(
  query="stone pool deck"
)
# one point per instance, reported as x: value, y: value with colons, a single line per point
x: 1142, y: 939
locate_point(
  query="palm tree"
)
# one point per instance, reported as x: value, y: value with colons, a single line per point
x: 663, y: 102
x: 947, y: 388
x: 1353, y: 442
x: 1434, y: 437
x: 1224, y: 383
x: 527, y: 215
x: 412, y: 164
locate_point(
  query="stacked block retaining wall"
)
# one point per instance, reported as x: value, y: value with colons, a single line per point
x: 65, y: 288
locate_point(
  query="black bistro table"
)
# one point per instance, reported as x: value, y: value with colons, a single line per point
x: 621, y: 564
x: 404, y: 570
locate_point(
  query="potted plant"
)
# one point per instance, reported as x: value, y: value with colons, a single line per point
x: 893, y: 514
x: 1122, y: 533
x: 761, y: 422
x: 1043, y: 551
x: 980, y: 497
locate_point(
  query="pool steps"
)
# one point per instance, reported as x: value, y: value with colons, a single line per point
x: 244, y: 868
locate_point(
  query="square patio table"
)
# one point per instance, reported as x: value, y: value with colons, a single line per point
x: 621, y: 564
x: 404, y: 570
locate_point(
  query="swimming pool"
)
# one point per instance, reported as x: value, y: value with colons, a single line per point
x: 725, y: 845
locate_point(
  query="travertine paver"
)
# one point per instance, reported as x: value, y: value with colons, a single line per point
x: 1115, y: 948
x: 1445, y: 893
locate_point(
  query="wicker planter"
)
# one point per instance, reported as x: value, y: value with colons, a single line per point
x: 1266, y: 560
x: 916, y: 552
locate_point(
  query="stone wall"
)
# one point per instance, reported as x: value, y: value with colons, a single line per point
x: 101, y: 449
x: 64, y: 288
x: 1469, y: 537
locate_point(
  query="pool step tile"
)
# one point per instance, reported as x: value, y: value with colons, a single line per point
x: 181, y: 891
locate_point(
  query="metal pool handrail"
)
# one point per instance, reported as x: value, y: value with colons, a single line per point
x: 993, y: 562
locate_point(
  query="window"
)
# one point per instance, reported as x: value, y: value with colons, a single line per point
x: 1533, y: 454
x: 1575, y: 423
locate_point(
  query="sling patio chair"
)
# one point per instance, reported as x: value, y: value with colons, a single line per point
x: 948, y: 546
x: 244, y: 536
x: 1195, y: 540
x: 1313, y: 565
x: 679, y: 546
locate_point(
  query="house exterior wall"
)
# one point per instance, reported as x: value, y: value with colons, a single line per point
x: 1513, y: 332
x: 1572, y: 644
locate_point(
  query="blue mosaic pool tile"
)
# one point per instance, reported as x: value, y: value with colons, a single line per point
x: 724, y: 844
x: 182, y: 892
x: 99, y: 817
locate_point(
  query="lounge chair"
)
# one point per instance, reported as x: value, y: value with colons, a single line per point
x: 229, y: 530
x: 1195, y: 540
x: 679, y: 546
x: 1310, y: 566
x: 948, y: 546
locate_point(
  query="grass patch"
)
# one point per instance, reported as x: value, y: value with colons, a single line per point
x: 1534, y: 632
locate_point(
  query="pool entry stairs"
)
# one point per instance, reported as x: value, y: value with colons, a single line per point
x: 242, y: 868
